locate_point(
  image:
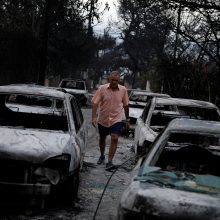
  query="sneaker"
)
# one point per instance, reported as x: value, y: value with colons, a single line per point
x: 101, y: 160
x: 109, y: 166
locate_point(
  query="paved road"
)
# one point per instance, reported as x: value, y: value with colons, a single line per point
x: 93, y: 179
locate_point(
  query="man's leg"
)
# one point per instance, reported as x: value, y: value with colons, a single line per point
x: 103, y: 132
x: 102, y: 142
x: 102, y: 149
x: 115, y: 131
x: 113, y: 146
x: 112, y: 150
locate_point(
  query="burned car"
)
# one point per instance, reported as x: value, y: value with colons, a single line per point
x: 42, y: 145
x: 180, y: 177
x: 158, y: 112
x: 137, y: 102
x: 77, y: 88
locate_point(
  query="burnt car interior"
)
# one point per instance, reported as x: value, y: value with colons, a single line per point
x: 139, y: 98
x: 199, y: 113
x: 73, y: 85
x: 162, y: 118
x: 136, y: 105
x: 191, y: 153
x: 161, y: 115
x: 32, y: 112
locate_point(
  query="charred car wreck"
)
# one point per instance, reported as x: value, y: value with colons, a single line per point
x: 137, y: 102
x: 42, y: 143
x: 180, y: 177
x: 158, y: 112
x: 76, y: 88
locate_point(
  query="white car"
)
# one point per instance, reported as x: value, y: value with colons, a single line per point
x: 43, y: 137
x: 179, y: 178
x: 137, y: 102
x: 77, y: 88
x: 158, y: 112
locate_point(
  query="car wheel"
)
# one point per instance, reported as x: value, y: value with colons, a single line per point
x: 71, y: 187
x: 143, y: 150
x: 146, y: 147
x: 67, y: 191
x: 139, y: 151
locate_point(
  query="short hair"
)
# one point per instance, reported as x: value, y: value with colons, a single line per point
x: 114, y: 73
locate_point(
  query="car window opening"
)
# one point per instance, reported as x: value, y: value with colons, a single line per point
x: 32, y: 112
x: 73, y: 85
x: 197, y: 154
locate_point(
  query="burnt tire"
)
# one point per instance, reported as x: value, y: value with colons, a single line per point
x: 146, y: 147
x: 138, y: 150
x: 66, y: 192
x: 71, y: 188
x: 143, y: 150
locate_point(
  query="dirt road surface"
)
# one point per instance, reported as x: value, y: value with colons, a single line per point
x: 93, y: 180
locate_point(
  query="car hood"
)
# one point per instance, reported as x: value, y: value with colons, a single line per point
x: 165, y: 194
x: 32, y: 145
x: 76, y: 91
x: 135, y: 112
x: 179, y: 180
x: 136, y: 103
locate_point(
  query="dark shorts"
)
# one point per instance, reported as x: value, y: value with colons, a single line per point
x: 115, y: 129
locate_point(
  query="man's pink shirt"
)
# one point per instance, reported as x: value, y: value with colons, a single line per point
x: 110, y: 104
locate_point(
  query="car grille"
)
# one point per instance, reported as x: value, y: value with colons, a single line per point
x: 15, y: 171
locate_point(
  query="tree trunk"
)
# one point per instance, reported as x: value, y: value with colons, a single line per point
x: 44, y: 45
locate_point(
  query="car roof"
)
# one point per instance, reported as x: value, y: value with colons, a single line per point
x: 187, y: 125
x: 143, y: 92
x: 185, y: 102
x: 151, y: 94
x: 32, y: 89
x: 75, y: 80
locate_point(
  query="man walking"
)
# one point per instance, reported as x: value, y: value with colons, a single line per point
x: 109, y: 99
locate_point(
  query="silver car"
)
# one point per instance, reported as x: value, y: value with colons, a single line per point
x: 158, y: 112
x: 42, y: 145
x: 137, y: 102
x: 179, y: 178
x: 77, y: 88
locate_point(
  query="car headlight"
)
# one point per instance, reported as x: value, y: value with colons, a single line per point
x: 53, y: 169
x: 52, y: 175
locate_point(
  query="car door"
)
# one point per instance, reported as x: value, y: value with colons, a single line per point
x: 140, y: 124
x: 80, y: 127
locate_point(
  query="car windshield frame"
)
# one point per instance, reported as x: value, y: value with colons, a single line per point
x: 71, y: 84
x: 28, y: 111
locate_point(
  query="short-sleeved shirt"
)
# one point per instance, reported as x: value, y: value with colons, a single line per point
x: 110, y: 104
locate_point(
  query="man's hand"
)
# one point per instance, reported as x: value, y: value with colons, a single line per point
x: 94, y: 122
x: 127, y: 124
x: 126, y: 109
x: 94, y: 117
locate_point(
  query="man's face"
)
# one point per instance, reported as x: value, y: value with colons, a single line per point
x: 114, y: 79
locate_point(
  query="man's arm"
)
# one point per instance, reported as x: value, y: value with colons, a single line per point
x: 95, y: 104
x: 126, y: 109
x: 94, y: 114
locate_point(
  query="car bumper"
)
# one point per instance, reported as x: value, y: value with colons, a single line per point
x: 25, y: 189
x: 149, y: 200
